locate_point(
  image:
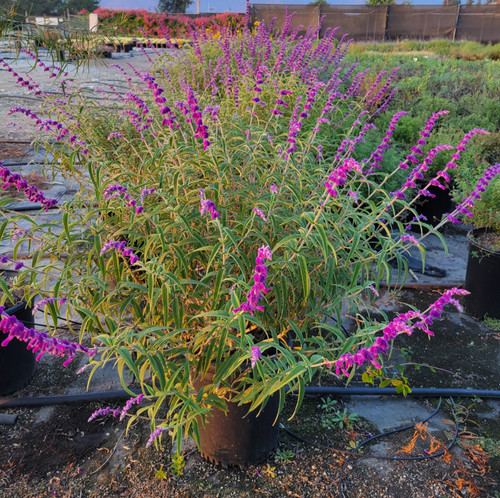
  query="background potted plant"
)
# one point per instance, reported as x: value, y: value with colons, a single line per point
x: 483, y: 264
x: 17, y: 364
x: 21, y: 345
x: 216, y: 229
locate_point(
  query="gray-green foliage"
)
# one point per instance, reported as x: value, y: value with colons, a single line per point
x: 170, y: 315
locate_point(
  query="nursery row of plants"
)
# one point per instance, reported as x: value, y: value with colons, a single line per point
x: 468, y: 89
x: 467, y: 50
x: 140, y: 22
x: 231, y: 205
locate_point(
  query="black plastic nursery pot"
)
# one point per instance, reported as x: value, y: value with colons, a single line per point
x: 237, y: 437
x: 433, y: 208
x: 17, y: 364
x: 482, y: 278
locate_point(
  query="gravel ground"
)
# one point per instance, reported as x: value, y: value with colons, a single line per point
x: 54, y: 451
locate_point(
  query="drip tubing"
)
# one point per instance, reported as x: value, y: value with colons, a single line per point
x: 25, y: 97
x: 34, y: 207
x: 424, y: 285
x: 391, y: 391
x: 309, y: 390
x: 8, y: 419
x: 28, y: 142
x: 67, y: 398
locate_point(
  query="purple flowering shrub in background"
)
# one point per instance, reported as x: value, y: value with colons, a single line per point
x: 222, y: 215
x: 479, y: 200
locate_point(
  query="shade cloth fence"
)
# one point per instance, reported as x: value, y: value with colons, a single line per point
x: 479, y: 23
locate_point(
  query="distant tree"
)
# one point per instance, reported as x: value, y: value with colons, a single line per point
x: 380, y: 2
x: 75, y: 6
x: 173, y: 6
x: 36, y: 8
x: 388, y: 2
x: 53, y: 7
x: 318, y: 3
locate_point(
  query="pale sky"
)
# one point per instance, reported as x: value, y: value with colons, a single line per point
x: 231, y: 5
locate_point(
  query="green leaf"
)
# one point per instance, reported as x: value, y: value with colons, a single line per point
x: 127, y: 358
x: 165, y: 298
x: 6, y: 290
x: 217, y: 287
x: 366, y: 377
x: 66, y: 226
x: 3, y: 226
x: 385, y: 383
x: 180, y: 255
x: 304, y: 277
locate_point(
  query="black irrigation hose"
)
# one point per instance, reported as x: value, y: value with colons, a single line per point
x: 67, y: 320
x: 35, y: 207
x: 390, y: 391
x: 24, y: 163
x: 423, y: 285
x: 16, y: 142
x: 22, y: 97
x: 337, y: 391
x: 36, y: 324
x: 67, y: 398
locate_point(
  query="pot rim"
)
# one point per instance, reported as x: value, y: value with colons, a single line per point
x: 16, y: 307
x: 473, y: 242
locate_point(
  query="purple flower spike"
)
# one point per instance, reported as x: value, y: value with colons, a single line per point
x: 338, y: 176
x: 31, y: 192
x: 418, y: 171
x: 48, y: 300
x: 129, y: 404
x: 201, y: 130
x: 409, y: 238
x: 255, y: 355
x: 402, y: 324
x: 116, y: 190
x: 259, y: 213
x: 99, y: 413
x: 469, y: 201
x: 115, y: 135
x: 145, y: 192
x: 122, y: 413
x: 208, y: 206
x: 155, y: 434
x: 378, y: 155
x: 38, y: 342
x: 19, y: 233
x: 259, y: 287
x: 122, y: 248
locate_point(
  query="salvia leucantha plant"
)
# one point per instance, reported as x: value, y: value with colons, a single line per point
x: 221, y: 219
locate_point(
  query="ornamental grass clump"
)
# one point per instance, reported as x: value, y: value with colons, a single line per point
x: 221, y: 219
